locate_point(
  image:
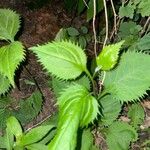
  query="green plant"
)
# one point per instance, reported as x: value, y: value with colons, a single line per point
x: 81, y: 36
x: 87, y: 5
x: 84, y: 98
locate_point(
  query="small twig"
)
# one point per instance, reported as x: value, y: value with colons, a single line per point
x: 106, y: 21
x: 115, y: 16
x: 113, y: 31
x: 145, y: 25
x: 39, y: 123
x: 36, y: 83
x: 94, y: 30
x: 86, y: 4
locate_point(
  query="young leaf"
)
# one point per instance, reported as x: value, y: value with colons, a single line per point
x: 14, y: 126
x: 144, y: 8
x: 76, y: 108
x: 5, y: 84
x: 9, y: 24
x: 63, y: 59
x: 119, y: 136
x: 130, y: 79
x: 11, y: 56
x: 35, y: 135
x: 136, y: 114
x: 107, y: 59
x: 110, y: 109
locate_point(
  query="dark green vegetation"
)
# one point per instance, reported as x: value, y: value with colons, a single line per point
x: 91, y: 97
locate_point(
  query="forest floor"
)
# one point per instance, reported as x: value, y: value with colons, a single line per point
x: 39, y: 26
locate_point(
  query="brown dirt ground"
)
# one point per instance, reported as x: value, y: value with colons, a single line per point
x: 40, y: 26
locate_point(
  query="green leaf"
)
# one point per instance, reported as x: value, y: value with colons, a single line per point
x: 76, y: 108
x: 11, y: 56
x: 9, y: 139
x: 144, y: 43
x: 81, y: 6
x: 14, y: 126
x: 144, y: 8
x: 107, y: 59
x: 61, y: 35
x: 32, y: 104
x: 90, y: 10
x: 84, y: 29
x: 59, y: 85
x: 130, y: 79
x: 128, y: 28
x: 72, y: 31
x: 9, y: 24
x: 4, y: 115
x: 35, y: 135
x: 5, y: 84
x: 82, y: 42
x: 129, y: 31
x: 87, y: 140
x: 63, y: 59
x: 119, y: 136
x: 136, y: 114
x: 37, y: 146
x: 2, y: 142
x: 127, y: 11
x: 110, y: 109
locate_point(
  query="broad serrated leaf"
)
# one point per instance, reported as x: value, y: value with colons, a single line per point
x: 144, y: 8
x: 63, y: 59
x: 35, y: 135
x: 9, y: 24
x: 136, y: 114
x: 14, y: 126
x: 130, y: 79
x: 59, y: 85
x: 5, y: 84
x: 119, y: 136
x: 76, y: 108
x: 110, y: 109
x: 10, y: 57
x: 107, y: 59
x: 32, y: 104
x: 127, y: 11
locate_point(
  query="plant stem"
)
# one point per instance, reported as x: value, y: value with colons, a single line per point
x: 91, y: 78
